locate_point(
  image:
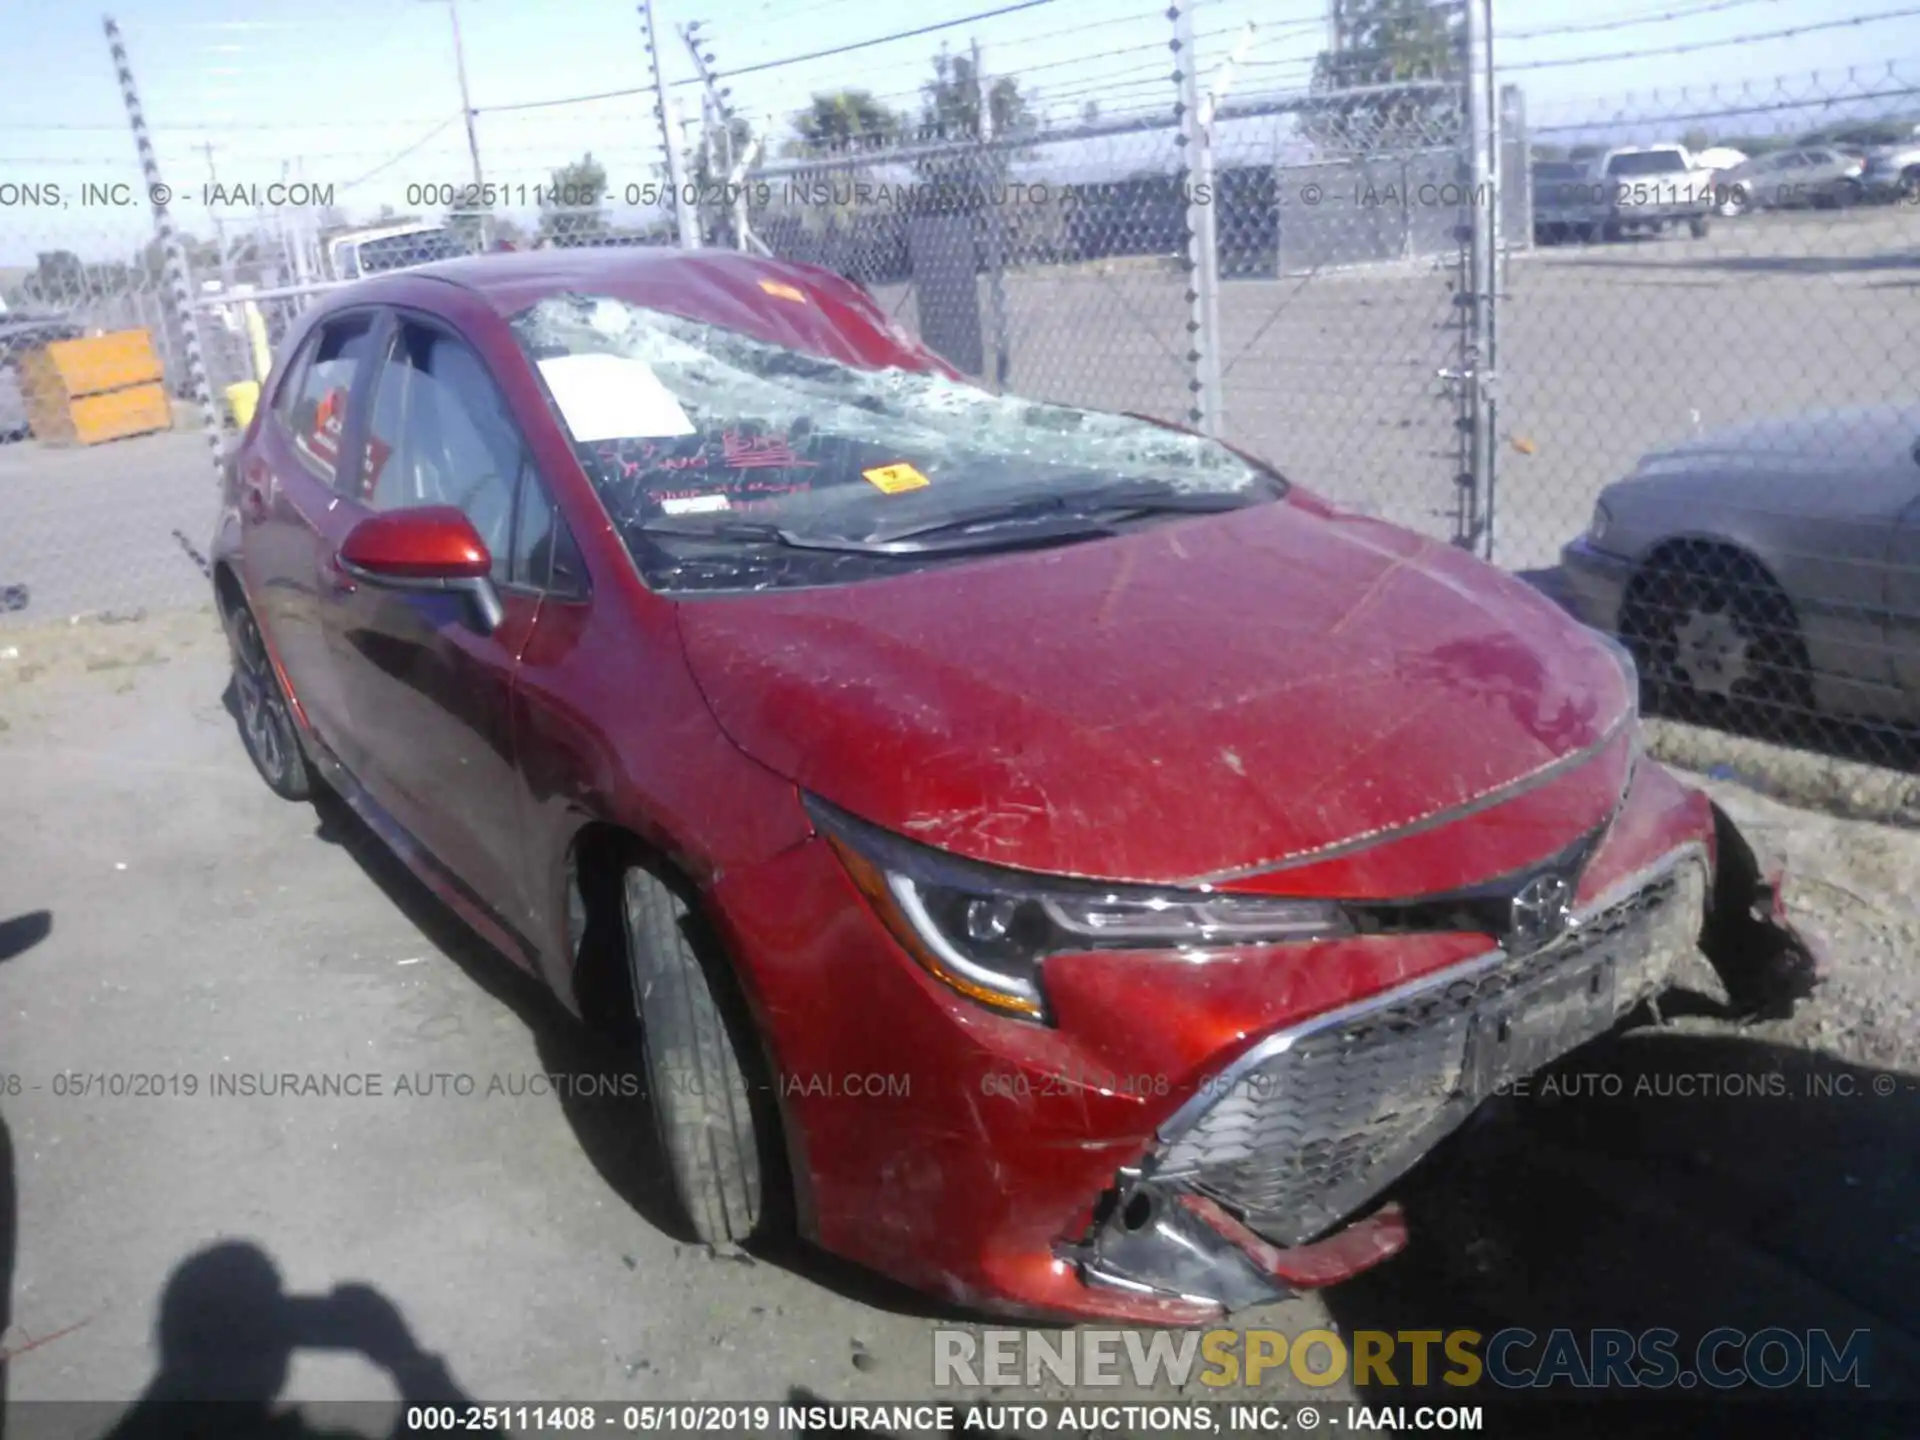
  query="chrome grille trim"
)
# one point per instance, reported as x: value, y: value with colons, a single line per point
x: 1367, y: 1104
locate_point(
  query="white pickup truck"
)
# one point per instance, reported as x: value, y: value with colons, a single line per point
x: 1653, y: 188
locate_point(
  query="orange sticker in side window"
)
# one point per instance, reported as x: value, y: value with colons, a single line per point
x: 783, y: 291
x: 895, y: 478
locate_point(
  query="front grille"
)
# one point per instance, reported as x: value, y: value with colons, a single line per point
x: 1314, y: 1123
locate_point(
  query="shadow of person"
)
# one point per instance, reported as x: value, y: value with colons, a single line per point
x: 227, y: 1332
x: 17, y: 935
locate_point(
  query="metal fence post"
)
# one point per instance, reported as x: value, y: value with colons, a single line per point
x: 686, y: 224
x: 995, y: 199
x: 1203, y: 240
x: 1481, y: 374
x: 179, y: 279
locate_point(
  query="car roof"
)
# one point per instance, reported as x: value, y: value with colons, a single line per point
x: 786, y: 303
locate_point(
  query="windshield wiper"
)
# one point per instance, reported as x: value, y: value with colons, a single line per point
x: 1109, y: 505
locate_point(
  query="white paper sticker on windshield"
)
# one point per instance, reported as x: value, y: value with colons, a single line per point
x: 613, y: 397
x: 694, y: 504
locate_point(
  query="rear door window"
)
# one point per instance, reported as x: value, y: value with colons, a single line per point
x: 316, y: 417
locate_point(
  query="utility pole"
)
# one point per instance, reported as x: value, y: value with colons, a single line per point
x: 219, y: 225
x: 686, y: 223
x: 466, y: 114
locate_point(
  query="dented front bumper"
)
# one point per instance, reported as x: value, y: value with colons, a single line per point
x: 1246, y: 1195
x: 1153, y: 1157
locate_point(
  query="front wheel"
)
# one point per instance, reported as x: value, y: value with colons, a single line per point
x: 1713, y: 632
x: 713, y: 1126
x: 266, y: 717
x: 1699, y: 226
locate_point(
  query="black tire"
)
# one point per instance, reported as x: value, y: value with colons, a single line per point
x: 1700, y: 227
x: 710, y: 1122
x: 1612, y: 231
x: 1712, y: 634
x: 1910, y: 183
x: 266, y: 719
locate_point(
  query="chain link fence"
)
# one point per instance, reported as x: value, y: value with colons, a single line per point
x: 1697, y: 429
x: 1708, y: 399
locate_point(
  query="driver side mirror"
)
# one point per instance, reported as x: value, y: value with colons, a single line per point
x: 429, y: 548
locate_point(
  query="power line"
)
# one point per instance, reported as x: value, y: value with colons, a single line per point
x: 1625, y: 22
x: 884, y: 39
x: 388, y: 164
x: 566, y: 100
x: 1688, y: 49
x: 1904, y: 92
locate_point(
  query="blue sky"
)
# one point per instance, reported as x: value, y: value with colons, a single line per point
x: 335, y: 95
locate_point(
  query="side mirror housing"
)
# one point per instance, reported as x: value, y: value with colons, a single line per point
x: 429, y: 548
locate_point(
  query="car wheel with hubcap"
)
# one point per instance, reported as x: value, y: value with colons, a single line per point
x: 1715, y: 630
x: 266, y: 717
x: 714, y: 1120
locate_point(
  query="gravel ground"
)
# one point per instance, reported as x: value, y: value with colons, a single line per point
x: 199, y: 924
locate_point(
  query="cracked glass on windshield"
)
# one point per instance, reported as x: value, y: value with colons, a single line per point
x: 727, y: 462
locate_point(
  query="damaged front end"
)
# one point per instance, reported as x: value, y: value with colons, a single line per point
x: 1247, y: 1193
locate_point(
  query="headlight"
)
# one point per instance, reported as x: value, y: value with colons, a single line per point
x: 1597, y: 527
x: 986, y: 932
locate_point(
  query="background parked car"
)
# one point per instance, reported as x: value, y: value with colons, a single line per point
x: 1718, y: 160
x: 1567, y: 202
x: 1823, y: 177
x: 1892, y: 172
x: 1776, y: 564
x: 1652, y: 189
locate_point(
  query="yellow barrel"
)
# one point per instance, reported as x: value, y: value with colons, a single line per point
x: 241, y: 400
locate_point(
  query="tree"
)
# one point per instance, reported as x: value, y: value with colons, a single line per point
x: 844, y: 119
x: 1415, y: 45
x: 950, y: 102
x: 59, y: 278
x: 1090, y: 113
x: 570, y: 212
x: 1696, y: 139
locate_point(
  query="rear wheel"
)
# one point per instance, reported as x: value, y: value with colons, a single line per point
x: 1710, y: 630
x: 713, y: 1125
x: 266, y: 718
x: 1699, y: 226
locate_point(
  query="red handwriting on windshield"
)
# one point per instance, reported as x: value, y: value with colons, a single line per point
x: 738, y: 451
x: 759, y: 452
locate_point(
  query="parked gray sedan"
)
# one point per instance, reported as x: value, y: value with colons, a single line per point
x: 1816, y: 177
x: 1775, y: 563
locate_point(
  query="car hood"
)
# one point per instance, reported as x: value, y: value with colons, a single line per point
x: 1203, y: 698
x: 1871, y: 436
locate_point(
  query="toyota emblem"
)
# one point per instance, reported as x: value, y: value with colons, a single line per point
x: 1540, y: 912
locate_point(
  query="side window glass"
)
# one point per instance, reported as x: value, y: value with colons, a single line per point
x: 287, y: 396
x: 438, y: 434
x: 319, y: 403
x: 544, y: 555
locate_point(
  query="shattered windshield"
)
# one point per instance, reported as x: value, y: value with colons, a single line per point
x: 727, y: 462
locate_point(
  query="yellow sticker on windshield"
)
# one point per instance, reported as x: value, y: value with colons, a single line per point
x: 895, y: 478
x: 781, y: 290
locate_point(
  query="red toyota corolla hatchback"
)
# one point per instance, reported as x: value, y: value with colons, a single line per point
x: 1043, y: 855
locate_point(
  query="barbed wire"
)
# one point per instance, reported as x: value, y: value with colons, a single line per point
x: 1694, y: 46
x: 1628, y: 22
